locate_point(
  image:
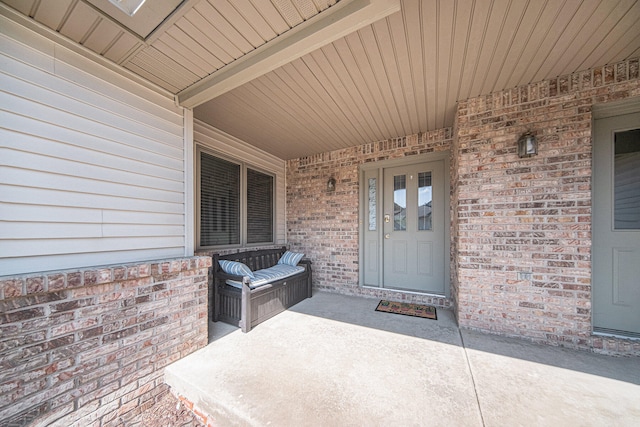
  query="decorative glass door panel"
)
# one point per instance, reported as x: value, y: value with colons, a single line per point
x: 425, y: 198
x: 400, y: 203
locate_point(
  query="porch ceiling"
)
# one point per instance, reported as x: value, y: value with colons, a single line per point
x: 321, y: 81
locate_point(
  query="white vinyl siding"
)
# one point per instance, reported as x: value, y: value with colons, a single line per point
x: 91, y: 163
x: 233, y: 148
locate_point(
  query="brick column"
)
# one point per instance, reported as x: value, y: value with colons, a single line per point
x: 523, y: 226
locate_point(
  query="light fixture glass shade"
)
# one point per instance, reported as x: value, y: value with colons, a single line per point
x: 130, y: 7
x: 527, y: 145
x: 331, y: 184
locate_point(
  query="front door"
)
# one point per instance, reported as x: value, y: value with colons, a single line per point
x: 616, y: 225
x: 414, y: 228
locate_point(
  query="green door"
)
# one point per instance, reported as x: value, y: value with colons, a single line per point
x: 616, y: 225
x: 414, y: 224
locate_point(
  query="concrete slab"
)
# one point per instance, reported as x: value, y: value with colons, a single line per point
x: 332, y: 360
x: 521, y: 383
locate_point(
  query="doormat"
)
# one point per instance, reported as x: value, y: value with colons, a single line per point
x: 408, y: 309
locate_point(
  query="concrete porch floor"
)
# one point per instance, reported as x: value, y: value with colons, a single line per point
x: 332, y: 360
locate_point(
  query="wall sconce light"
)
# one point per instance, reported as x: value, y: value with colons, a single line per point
x: 331, y: 184
x: 527, y: 145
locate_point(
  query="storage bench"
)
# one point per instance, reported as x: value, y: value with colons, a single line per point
x: 244, y: 301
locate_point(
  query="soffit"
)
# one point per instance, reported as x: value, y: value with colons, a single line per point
x: 404, y: 74
x: 398, y: 76
x: 197, y: 38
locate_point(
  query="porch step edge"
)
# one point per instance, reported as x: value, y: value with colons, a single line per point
x: 207, y: 409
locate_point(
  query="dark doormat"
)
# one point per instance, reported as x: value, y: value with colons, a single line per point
x: 408, y: 309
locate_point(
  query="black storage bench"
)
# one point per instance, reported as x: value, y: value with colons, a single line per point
x: 246, y: 302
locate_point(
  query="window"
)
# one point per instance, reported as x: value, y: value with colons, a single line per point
x: 259, y: 207
x: 400, y: 203
x: 627, y: 180
x: 424, y: 201
x: 236, y: 203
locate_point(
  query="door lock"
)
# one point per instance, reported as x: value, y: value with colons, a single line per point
x: 387, y: 218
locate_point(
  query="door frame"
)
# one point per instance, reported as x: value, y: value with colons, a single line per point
x: 604, y: 111
x: 376, y: 169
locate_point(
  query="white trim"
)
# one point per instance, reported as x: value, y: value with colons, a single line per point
x: 189, y: 166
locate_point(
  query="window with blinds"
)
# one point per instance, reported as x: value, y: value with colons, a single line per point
x: 228, y: 217
x: 259, y: 207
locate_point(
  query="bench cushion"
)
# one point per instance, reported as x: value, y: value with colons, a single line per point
x: 290, y: 258
x: 236, y: 268
x: 268, y: 275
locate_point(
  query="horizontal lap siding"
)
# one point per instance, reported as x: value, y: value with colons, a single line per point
x: 91, y: 164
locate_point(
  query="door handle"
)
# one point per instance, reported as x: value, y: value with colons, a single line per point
x: 386, y: 236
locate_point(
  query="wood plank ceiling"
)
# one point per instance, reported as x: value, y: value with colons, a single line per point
x: 398, y: 76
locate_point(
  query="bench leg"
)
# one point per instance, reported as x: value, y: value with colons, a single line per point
x: 245, y: 313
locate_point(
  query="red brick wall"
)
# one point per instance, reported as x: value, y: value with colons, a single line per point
x: 324, y: 225
x: 532, y: 215
x: 89, y: 347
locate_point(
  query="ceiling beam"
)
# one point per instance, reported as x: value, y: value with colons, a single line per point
x: 334, y: 23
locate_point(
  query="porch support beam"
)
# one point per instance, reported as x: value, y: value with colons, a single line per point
x: 336, y: 22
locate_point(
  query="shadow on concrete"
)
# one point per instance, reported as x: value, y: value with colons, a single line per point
x: 346, y: 364
x: 361, y: 311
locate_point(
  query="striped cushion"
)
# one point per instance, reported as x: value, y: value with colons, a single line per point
x: 236, y: 268
x: 290, y: 258
x: 268, y: 275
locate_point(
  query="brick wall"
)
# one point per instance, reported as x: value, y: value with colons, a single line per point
x: 324, y: 225
x: 89, y: 347
x: 519, y: 216
x: 510, y: 216
x: 455, y: 224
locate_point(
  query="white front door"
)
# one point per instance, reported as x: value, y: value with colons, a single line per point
x: 616, y: 225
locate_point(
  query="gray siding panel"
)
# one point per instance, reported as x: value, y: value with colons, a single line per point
x: 91, y: 163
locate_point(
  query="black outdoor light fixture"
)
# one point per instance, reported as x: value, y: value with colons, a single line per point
x: 331, y: 184
x: 527, y: 145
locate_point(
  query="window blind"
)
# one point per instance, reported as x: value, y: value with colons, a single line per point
x: 219, y: 201
x: 259, y: 207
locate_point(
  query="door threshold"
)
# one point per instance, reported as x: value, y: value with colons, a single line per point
x: 402, y: 291
x: 614, y: 333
